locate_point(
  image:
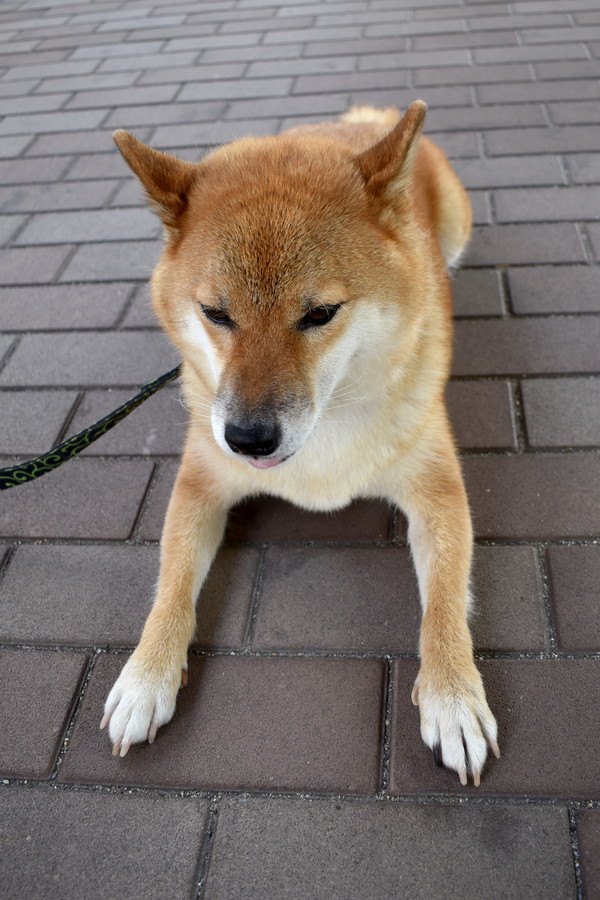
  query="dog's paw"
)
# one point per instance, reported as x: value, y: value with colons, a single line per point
x: 456, y: 721
x: 140, y: 701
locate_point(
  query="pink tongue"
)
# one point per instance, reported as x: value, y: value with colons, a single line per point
x: 264, y: 463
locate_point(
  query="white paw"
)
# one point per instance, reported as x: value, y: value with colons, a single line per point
x: 456, y: 722
x: 139, y: 703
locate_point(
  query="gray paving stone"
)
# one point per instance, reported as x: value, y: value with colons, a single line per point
x: 157, y: 427
x: 471, y: 74
x: 129, y: 260
x: 13, y: 146
x: 589, y: 68
x: 522, y: 346
x: 594, y: 236
x: 125, y: 97
x: 117, y: 49
x: 367, y: 600
x: 80, y: 358
x: 85, y: 498
x: 305, y: 67
x: 45, y: 122
x: 518, y: 692
x: 284, y: 106
x: 8, y: 226
x: 584, y: 168
x: 573, y: 577
x: 507, y: 171
x: 90, y: 225
x: 101, y: 595
x: 200, y: 74
x: 506, y: 244
x: 530, y: 53
x: 512, y: 115
x: 510, y: 142
x: 534, y: 496
x: 59, y: 840
x: 31, y: 265
x: 153, y: 61
x: 469, y: 39
x: 399, y: 60
x: 477, y: 292
x: 29, y: 171
x: 78, y: 142
x: 140, y: 314
x: 54, y: 307
x: 37, y: 198
x: 35, y: 711
x: 381, y: 850
x: 94, y: 82
x: 164, y: 113
x: 234, y: 90
x: 547, y: 204
x: 588, y: 829
x: 481, y: 414
x: 554, y: 289
x: 540, y: 91
x: 210, y: 133
x: 32, y: 420
x: 562, y: 412
x: 322, y: 718
x: 33, y: 104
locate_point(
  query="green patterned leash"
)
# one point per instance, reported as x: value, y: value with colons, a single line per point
x: 35, y: 468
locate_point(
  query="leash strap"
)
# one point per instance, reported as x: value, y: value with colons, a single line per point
x: 35, y: 468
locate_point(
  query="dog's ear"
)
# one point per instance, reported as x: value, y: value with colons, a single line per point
x: 167, y: 180
x: 387, y: 165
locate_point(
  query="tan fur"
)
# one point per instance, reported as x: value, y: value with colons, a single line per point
x: 359, y: 213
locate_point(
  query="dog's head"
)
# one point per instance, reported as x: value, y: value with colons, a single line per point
x: 284, y: 261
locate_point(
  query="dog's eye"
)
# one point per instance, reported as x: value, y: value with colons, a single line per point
x: 320, y: 315
x: 218, y: 316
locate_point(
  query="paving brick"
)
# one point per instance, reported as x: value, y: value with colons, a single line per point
x: 458, y: 12
x: 124, y: 97
x: 547, y: 204
x: 562, y: 412
x: 94, y: 594
x: 162, y: 114
x: 518, y: 692
x: 542, y: 140
x: 29, y: 171
x: 13, y: 146
x: 523, y: 346
x: 215, y: 42
x: 530, y: 53
x: 83, y: 499
x: 480, y: 207
x: 462, y: 39
x: 37, y: 198
x: 249, y: 54
x: 93, y: 82
x: 519, y: 170
x: 53, y: 307
x: 87, y: 226
x: 80, y: 358
x: 534, y: 496
x: 154, y: 61
x: 117, y: 49
x: 59, y: 840
x: 547, y: 35
x: 275, y: 67
x: 31, y: 265
x: 462, y: 144
x: 477, y: 292
x: 139, y: 313
x: 589, y: 68
x: 585, y: 111
x: 8, y: 226
x: 485, y: 117
x: 32, y: 104
x: 481, y: 414
x: 128, y: 260
x: 77, y: 142
x: 584, y: 168
x: 588, y: 829
x: 273, y: 23
x: 538, y: 91
x: 554, y: 289
x: 211, y: 133
x: 322, y: 718
x: 200, y: 74
x: 21, y: 60
x: 367, y: 600
x: 276, y: 106
x: 157, y: 427
x: 35, y: 711
x: 234, y: 90
x: 573, y: 576
x: 31, y: 421
x: 388, y: 849
x: 593, y: 232
x: 57, y: 121
x: 515, y: 244
x: 471, y: 74
x: 398, y: 60
x: 96, y: 166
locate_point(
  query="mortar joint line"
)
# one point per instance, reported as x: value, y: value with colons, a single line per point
x: 254, y: 601
x: 547, y: 603
x: 206, y: 849
x: 73, y: 717
x: 576, y: 853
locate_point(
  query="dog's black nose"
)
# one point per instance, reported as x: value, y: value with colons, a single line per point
x: 253, y: 438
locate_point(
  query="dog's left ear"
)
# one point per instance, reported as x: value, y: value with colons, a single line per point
x: 167, y: 180
x: 387, y: 165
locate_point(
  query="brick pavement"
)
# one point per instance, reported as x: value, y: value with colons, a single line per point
x: 294, y: 765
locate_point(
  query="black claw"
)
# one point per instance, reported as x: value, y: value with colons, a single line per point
x: 437, y: 755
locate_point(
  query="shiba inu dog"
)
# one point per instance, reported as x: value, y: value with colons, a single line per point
x: 295, y: 269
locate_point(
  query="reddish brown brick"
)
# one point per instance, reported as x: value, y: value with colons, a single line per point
x: 34, y: 712
x: 481, y: 414
x: 548, y: 715
x: 322, y: 718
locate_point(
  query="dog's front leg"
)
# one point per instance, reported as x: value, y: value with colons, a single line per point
x: 143, y: 697
x: 456, y: 720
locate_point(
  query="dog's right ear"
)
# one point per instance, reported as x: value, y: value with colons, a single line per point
x: 167, y: 180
